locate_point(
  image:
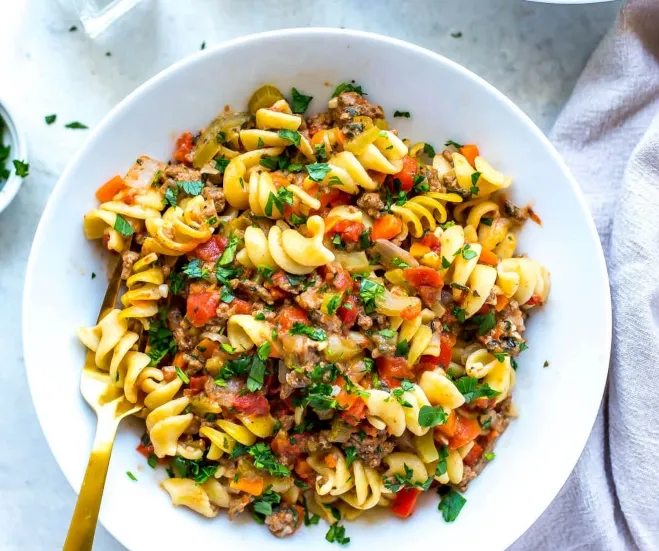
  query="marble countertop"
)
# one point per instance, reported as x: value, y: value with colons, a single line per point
x: 532, y: 52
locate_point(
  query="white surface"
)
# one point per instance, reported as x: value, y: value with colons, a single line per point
x: 531, y: 52
x: 146, y: 123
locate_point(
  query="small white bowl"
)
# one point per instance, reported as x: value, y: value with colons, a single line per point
x: 557, y: 405
x: 12, y: 136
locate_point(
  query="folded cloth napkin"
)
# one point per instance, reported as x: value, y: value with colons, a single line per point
x: 609, y: 135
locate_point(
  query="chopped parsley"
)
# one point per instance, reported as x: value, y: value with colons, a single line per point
x: 321, y: 153
x: 221, y: 164
x: 459, y: 313
x: 446, y: 263
x: 337, y: 534
x: 292, y: 136
x: 468, y: 253
x: 365, y: 240
x: 486, y: 424
x: 485, y: 323
x: 161, y: 341
x: 454, y: 144
x: 263, y: 504
x: 546, y: 364
x: 474, y: 183
x: 257, y: 369
x: 313, y: 333
x: 192, y: 187
x: 317, y: 171
x: 131, y: 476
x: 471, y: 390
x: 399, y: 263
x: 122, y: 226
x: 265, y: 460
x: 176, y: 282
x: 370, y: 291
x: 298, y: 220
x: 441, y: 467
x: 283, y: 196
x: 265, y: 272
x: 333, y: 305
x: 203, y: 46
x: 451, y: 505
x: 489, y: 456
x: 430, y: 416
x: 76, y: 125
x: 230, y: 252
x: 486, y: 221
x: 195, y: 269
x: 404, y: 114
x: 182, y: 376
x: 171, y: 196
x: 523, y: 346
x: 386, y: 333
x: 347, y: 87
x: 300, y: 102
x: 420, y: 184
x: 398, y: 481
x: 500, y: 356
x: 50, y: 119
x: 351, y: 455
x: 429, y: 150
x: 152, y: 460
x: 196, y: 469
x: 402, y: 349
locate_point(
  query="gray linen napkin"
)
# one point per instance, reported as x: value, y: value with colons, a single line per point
x: 609, y: 135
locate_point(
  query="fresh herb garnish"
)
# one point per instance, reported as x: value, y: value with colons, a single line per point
x: 370, y: 291
x: 197, y: 470
x: 221, y: 164
x: 430, y: 416
x: 351, y: 455
x: 313, y: 333
x: 485, y: 322
x: 171, y: 196
x: 76, y: 125
x: 265, y: 460
x: 257, y: 369
x: 451, y: 505
x: 399, y: 263
x: 347, y: 87
x: 333, y: 305
x: 122, y: 226
x: 131, y: 476
x: 230, y: 252
x: 454, y: 144
x: 161, y: 339
x: 195, y: 269
x: 404, y: 114
x: 300, y: 102
x: 292, y: 136
x: 182, y: 376
x: 317, y: 171
x: 50, y: 119
x: 192, y: 187
x: 429, y: 150
x: 337, y: 534
x: 459, y: 313
x: 471, y: 390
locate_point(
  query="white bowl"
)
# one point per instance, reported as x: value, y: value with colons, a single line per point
x: 558, y: 404
x: 13, y: 137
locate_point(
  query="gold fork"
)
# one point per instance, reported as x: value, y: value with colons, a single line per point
x: 111, y: 406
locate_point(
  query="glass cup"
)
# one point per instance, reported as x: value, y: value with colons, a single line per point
x: 98, y: 15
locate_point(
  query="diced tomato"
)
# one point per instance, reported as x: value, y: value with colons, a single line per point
x: 212, y: 249
x: 488, y: 257
x: 183, y: 147
x: 330, y: 460
x: 391, y: 370
x: 290, y: 316
x: 110, y: 188
x: 252, y: 404
x: 349, y: 230
x: 405, y: 502
x: 342, y: 280
x: 502, y: 302
x: 304, y: 470
x: 429, y: 295
x: 249, y: 484
x: 202, y: 307
x: 355, y: 413
x: 466, y: 430
x: 410, y: 312
x: 386, y: 227
x: 445, y: 352
x: 432, y: 241
x: 347, y: 312
x: 146, y: 451
x: 196, y: 385
x: 406, y: 175
x: 535, y: 300
x: 239, y: 306
x: 369, y: 429
x: 470, y: 152
x: 423, y: 276
x: 288, y: 446
x: 448, y: 428
x: 332, y: 198
x: 474, y: 455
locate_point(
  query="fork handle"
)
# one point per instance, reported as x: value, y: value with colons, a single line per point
x: 83, y: 524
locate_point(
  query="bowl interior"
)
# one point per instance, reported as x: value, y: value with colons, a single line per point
x: 10, y: 136
x: 446, y: 102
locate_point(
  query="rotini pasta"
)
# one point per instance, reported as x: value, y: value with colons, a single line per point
x: 330, y: 315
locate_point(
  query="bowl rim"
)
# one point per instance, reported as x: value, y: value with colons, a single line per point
x: 18, y: 151
x: 327, y: 32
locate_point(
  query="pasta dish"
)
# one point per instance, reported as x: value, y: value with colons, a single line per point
x: 330, y: 314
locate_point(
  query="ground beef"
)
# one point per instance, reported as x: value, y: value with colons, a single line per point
x: 433, y: 180
x: 194, y: 364
x: 178, y: 326
x: 216, y: 195
x: 383, y: 346
x: 208, y: 210
x: 252, y: 291
x: 331, y: 324
x: 223, y: 395
x: 350, y: 105
x: 372, y: 203
x: 470, y: 473
x: 128, y: 258
x: 284, y: 522
x: 516, y: 213
x: 182, y: 173
x: 505, y: 335
x: 300, y: 351
x: 317, y: 442
x: 238, y: 504
x: 363, y: 321
x: 310, y: 299
x: 372, y: 449
x: 321, y: 121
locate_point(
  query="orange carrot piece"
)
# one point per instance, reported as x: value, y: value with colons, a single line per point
x: 488, y: 257
x: 252, y: 486
x: 502, y: 302
x: 110, y: 188
x: 470, y: 152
